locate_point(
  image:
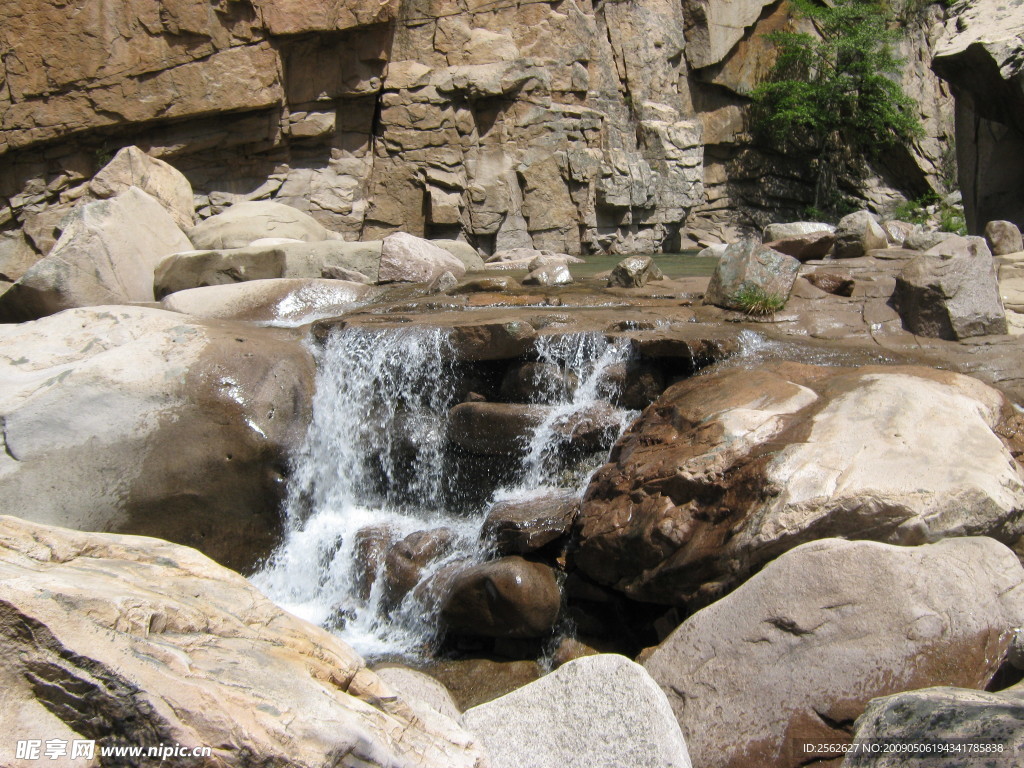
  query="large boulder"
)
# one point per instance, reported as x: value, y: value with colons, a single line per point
x: 940, y: 718
x: 725, y: 472
x: 133, y: 641
x: 141, y: 420
x: 951, y: 292
x: 749, y: 270
x: 131, y: 167
x: 106, y: 255
x: 251, y: 220
x: 785, y: 231
x: 293, y: 260
x: 275, y: 302
x: 507, y: 597
x: 601, y: 711
x: 797, y: 652
x: 858, y: 233
x: 405, y: 258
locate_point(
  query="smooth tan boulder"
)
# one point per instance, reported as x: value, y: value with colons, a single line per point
x: 131, y: 167
x: 727, y: 471
x: 268, y: 260
x: 245, y: 222
x: 798, y: 652
x: 107, y: 254
x: 135, y: 641
x: 140, y: 420
x: 406, y: 258
x: 273, y: 302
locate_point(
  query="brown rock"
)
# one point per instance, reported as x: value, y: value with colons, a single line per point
x: 857, y: 234
x: 815, y: 245
x: 796, y: 653
x: 518, y: 527
x: 407, y: 559
x: 726, y: 471
x: 509, y: 597
x: 830, y: 282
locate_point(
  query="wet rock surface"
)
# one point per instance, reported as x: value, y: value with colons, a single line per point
x: 522, y: 526
x: 507, y: 597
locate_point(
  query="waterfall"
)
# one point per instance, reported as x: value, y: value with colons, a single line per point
x: 375, y: 467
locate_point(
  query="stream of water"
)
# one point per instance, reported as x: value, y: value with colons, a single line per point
x: 376, y: 466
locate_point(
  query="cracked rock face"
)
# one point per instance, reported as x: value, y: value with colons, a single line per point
x: 725, y: 472
x: 798, y: 651
x: 138, y: 642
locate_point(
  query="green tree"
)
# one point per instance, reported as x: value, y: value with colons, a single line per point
x: 836, y: 97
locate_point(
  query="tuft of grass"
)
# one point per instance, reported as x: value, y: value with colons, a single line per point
x: 753, y: 300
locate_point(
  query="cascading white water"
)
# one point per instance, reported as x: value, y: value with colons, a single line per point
x: 585, y: 359
x: 375, y: 459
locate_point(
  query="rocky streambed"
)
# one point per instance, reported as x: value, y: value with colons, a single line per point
x: 489, y: 513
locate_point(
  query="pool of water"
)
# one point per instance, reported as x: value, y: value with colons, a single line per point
x: 686, y: 264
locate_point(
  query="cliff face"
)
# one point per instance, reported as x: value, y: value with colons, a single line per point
x: 572, y: 125
x: 982, y: 57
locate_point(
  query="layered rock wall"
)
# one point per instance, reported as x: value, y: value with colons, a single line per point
x: 576, y: 125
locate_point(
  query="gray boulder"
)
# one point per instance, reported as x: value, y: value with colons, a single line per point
x: 951, y: 292
x: 140, y: 420
x: 464, y: 252
x: 251, y: 220
x: 106, y: 255
x: 601, y: 711
x: 1003, y: 237
x: 749, y: 267
x: 420, y: 690
x: 405, y: 258
x: 800, y: 649
x: 920, y: 239
x: 857, y: 234
x: 713, y: 251
x: 940, y: 716
x: 813, y: 245
x: 634, y: 272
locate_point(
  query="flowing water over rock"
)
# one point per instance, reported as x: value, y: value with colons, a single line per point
x: 376, y: 467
